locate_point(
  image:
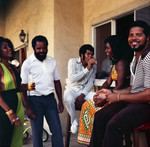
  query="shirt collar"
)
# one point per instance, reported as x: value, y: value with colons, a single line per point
x: 33, y: 58
x: 79, y: 60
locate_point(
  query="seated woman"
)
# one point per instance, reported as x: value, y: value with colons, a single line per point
x: 11, y: 107
x: 120, y: 55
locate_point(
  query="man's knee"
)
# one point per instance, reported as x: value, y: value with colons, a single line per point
x: 69, y: 98
x: 113, y: 125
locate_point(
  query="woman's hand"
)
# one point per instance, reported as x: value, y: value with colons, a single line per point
x: 100, y: 97
x: 14, y: 119
x: 106, y: 91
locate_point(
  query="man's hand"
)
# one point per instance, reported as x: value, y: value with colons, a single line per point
x: 112, y: 97
x: 91, y: 62
x: 60, y: 107
x: 99, y: 99
x: 31, y: 86
x: 80, y: 100
x: 29, y: 112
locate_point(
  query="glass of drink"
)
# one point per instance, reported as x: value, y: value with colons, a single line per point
x: 31, y: 84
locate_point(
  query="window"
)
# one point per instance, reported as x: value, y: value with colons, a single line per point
x: 119, y: 26
x: 102, y: 32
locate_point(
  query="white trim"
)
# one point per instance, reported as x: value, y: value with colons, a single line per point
x: 101, y: 23
x: 94, y: 34
x: 113, y: 27
x: 134, y: 15
x: 100, y: 82
x: 94, y: 40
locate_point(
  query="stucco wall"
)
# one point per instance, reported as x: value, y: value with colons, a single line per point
x: 68, y: 25
x: 68, y: 37
x: 2, y: 19
x: 97, y: 11
x: 34, y: 17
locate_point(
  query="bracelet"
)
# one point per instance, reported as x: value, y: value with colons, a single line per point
x: 118, y: 96
x: 9, y: 112
x: 15, y: 119
x: 112, y: 91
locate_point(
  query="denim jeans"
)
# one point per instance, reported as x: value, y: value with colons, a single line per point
x: 45, y: 106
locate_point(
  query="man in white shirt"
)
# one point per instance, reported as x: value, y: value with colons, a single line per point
x: 44, y: 73
x: 81, y: 75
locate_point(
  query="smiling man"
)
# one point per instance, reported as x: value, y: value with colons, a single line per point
x: 130, y: 107
x: 81, y: 75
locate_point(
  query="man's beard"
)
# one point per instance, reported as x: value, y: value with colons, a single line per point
x: 140, y: 48
x: 40, y: 57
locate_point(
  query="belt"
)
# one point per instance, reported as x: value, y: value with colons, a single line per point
x: 51, y: 94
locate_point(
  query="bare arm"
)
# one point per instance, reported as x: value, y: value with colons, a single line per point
x: 58, y: 89
x: 122, y: 68
x: 138, y: 97
x: 108, y: 82
x: 125, y: 90
x: 12, y: 116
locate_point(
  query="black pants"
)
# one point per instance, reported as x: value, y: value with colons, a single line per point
x: 112, y: 121
x: 6, y: 129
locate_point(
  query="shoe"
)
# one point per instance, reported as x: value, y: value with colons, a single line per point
x: 74, y: 127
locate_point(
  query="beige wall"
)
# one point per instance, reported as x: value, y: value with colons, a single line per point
x: 97, y: 11
x: 68, y: 36
x: 35, y: 17
x: 2, y: 20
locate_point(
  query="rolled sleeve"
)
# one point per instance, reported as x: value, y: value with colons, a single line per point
x: 74, y: 72
x: 56, y: 73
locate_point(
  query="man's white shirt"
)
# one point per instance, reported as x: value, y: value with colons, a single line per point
x: 80, y: 78
x: 43, y: 74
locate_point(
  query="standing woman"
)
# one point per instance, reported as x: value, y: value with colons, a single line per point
x: 120, y: 55
x: 11, y: 107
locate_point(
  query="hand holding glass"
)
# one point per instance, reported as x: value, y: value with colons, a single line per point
x: 31, y: 86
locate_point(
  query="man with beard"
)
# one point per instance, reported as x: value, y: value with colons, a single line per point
x: 81, y: 75
x: 44, y: 73
x: 130, y: 107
